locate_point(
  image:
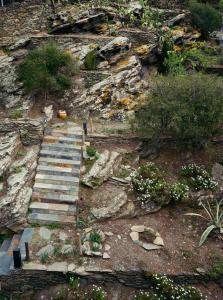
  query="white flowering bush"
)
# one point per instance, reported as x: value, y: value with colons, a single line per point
x: 98, y: 293
x: 148, y: 185
x: 166, y: 289
x: 179, y: 192
x: 147, y: 296
x: 198, y: 178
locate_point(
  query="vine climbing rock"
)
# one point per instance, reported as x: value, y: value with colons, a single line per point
x: 56, y: 185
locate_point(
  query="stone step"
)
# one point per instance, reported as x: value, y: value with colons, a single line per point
x: 14, y: 244
x: 66, y: 140
x: 54, y: 198
x: 64, y: 180
x: 59, y: 146
x: 5, y: 246
x: 52, y: 208
x: 58, y: 162
x: 65, y: 133
x: 50, y: 218
x: 49, y: 187
x: 60, y: 154
x: 58, y: 171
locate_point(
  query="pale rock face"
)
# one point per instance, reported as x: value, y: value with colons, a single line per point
x: 112, y: 209
x: 102, y: 169
x: 10, y: 88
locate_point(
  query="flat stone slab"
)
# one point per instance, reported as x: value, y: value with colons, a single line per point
x: 72, y: 154
x: 54, y: 187
x: 46, y: 177
x: 45, y: 233
x: 58, y: 267
x: 57, y: 197
x: 64, y: 147
x: 60, y: 162
x: 34, y: 266
x: 50, y: 218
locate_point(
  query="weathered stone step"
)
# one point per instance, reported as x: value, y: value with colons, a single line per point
x: 66, y: 133
x: 52, y: 208
x: 58, y: 171
x: 64, y: 147
x: 14, y: 244
x: 5, y: 246
x: 70, y: 180
x: 67, y: 140
x: 53, y: 187
x: 58, y: 162
x: 50, y: 218
x: 60, y: 154
x: 55, y: 197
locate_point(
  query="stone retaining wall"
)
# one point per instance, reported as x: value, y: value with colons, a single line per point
x: 22, y: 281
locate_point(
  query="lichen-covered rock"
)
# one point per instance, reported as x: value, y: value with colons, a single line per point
x: 119, y: 44
x: 112, y: 209
x: 14, y: 204
x: 102, y: 169
x: 8, y: 147
x: 30, y: 130
x: 10, y: 88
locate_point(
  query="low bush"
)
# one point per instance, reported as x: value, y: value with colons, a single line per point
x: 90, y: 61
x: 178, y: 192
x: 198, y: 178
x: 205, y: 17
x: 188, y: 109
x: 15, y: 114
x: 98, y: 293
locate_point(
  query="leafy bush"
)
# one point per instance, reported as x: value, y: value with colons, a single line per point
x: 15, y: 114
x: 198, y: 178
x: 90, y: 62
x: 47, y: 70
x: 146, y: 296
x: 178, y: 192
x: 217, y: 266
x: 187, y: 108
x: 166, y: 289
x: 214, y: 217
x: 205, y: 16
x: 148, y: 186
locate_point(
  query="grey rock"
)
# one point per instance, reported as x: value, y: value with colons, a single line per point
x: 116, y: 45
x: 150, y: 246
x: 217, y: 173
x: 112, y: 209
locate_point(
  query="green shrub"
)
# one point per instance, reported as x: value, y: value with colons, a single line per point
x: 47, y: 70
x: 146, y: 296
x: 15, y: 114
x: 217, y: 266
x: 90, y: 62
x: 205, y: 17
x: 189, y: 109
x: 198, y: 178
x: 178, y: 192
x: 91, y: 152
x: 74, y: 282
x: 95, y: 237
x: 44, y: 258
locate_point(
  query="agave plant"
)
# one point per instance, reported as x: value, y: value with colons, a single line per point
x: 214, y: 217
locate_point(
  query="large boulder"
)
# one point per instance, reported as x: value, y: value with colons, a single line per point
x: 102, y: 169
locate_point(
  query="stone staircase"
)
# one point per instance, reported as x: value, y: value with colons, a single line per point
x: 7, y: 247
x: 56, y: 187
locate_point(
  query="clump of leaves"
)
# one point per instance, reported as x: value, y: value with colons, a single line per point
x: 213, y: 216
x: 98, y: 293
x: 95, y: 237
x: 74, y: 282
x: 91, y: 152
x: 198, y: 178
x: 17, y: 169
x: 217, y: 266
x: 44, y: 258
x: 178, y: 192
